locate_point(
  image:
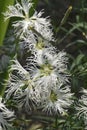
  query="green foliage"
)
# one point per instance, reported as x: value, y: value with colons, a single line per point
x: 78, y: 70
x: 3, y: 24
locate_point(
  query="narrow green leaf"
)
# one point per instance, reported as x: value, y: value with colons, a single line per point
x: 3, y: 24
x: 75, y: 26
x: 79, y: 59
x: 66, y: 15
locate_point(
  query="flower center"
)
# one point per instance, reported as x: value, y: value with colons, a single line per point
x: 46, y: 69
x: 40, y: 45
x: 53, y: 96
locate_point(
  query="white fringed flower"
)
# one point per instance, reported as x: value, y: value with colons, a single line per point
x: 82, y: 106
x: 19, y: 10
x: 34, y: 23
x: 50, y: 69
x: 5, y: 116
x: 57, y: 100
x: 37, y: 45
x: 28, y: 99
x: 20, y: 85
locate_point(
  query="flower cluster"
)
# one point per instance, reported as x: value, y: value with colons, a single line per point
x: 43, y: 83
